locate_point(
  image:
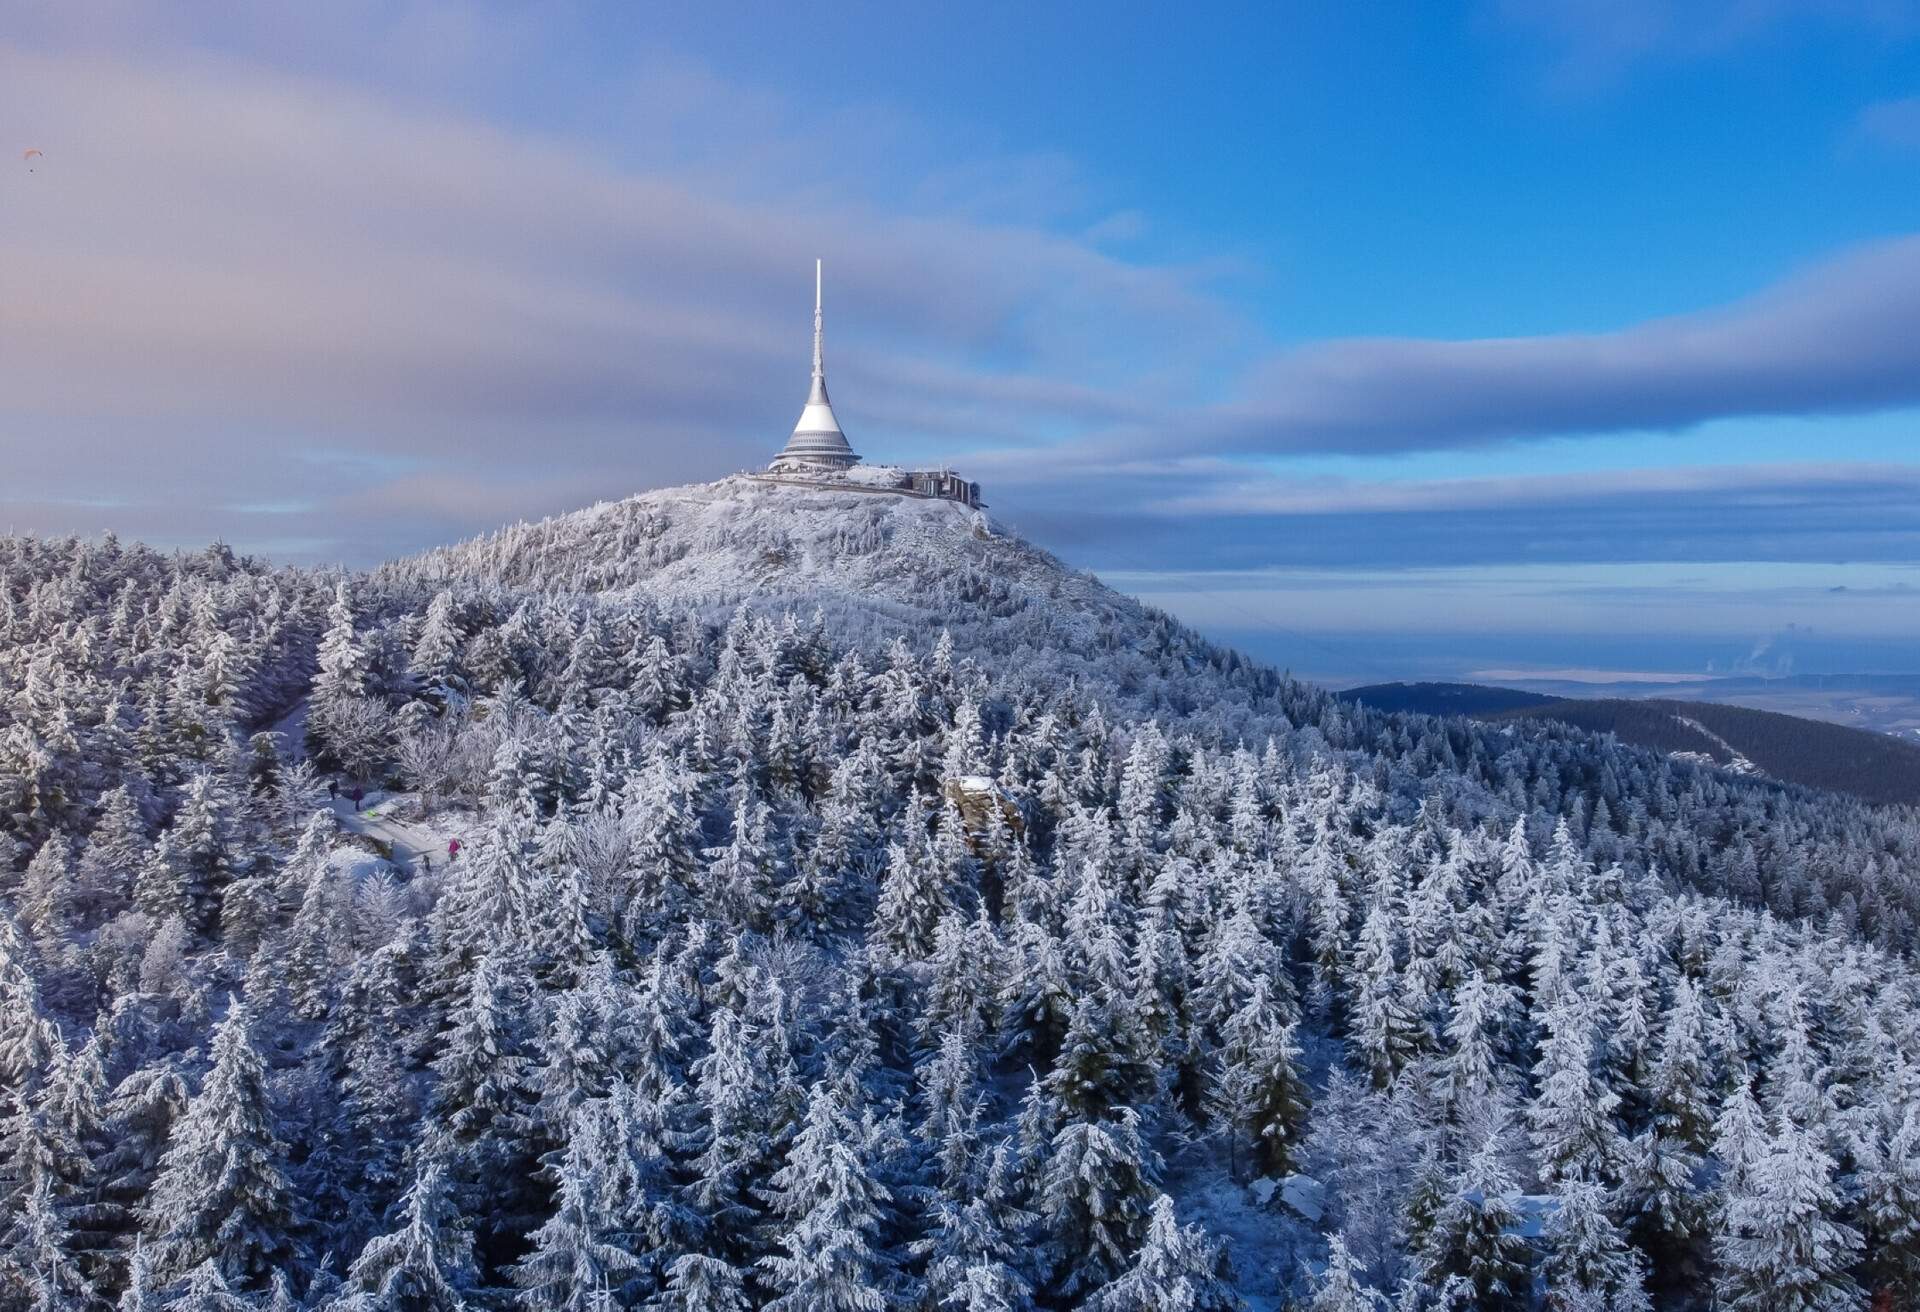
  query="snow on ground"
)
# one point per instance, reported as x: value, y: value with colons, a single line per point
x: 356, y: 862
x: 1735, y: 762
x: 875, y: 475
x: 390, y: 821
x: 292, y: 729
x: 741, y: 532
x: 746, y: 537
x: 1266, y: 1245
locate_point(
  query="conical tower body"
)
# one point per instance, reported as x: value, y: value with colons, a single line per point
x: 817, y: 442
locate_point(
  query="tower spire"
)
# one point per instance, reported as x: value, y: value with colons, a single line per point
x: 819, y: 355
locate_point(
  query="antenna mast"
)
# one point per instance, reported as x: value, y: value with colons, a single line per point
x: 819, y: 360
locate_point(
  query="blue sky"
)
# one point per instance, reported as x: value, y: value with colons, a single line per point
x: 1540, y: 319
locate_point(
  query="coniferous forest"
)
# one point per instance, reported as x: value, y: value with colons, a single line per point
x: 984, y: 943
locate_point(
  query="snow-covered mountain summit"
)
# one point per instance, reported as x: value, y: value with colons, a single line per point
x: 875, y: 561
x: 748, y: 536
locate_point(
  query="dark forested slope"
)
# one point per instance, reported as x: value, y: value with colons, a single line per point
x: 1443, y: 698
x: 1873, y: 766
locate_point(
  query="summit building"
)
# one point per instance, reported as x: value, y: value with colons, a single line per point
x: 818, y: 448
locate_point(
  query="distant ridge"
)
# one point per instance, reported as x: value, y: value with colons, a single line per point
x: 1476, y: 699
x: 1874, y: 767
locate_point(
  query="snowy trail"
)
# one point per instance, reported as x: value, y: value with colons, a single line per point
x: 407, y: 842
x: 375, y: 819
x: 292, y: 728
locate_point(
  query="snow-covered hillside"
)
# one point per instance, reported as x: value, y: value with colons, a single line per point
x: 878, y: 566
x: 746, y: 536
x: 856, y: 908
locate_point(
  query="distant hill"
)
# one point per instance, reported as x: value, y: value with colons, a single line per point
x: 1871, y: 766
x: 1473, y: 699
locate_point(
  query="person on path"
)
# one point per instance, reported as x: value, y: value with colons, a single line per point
x: 453, y: 848
x: 333, y: 790
x: 359, y: 795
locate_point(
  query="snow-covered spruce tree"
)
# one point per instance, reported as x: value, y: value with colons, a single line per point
x: 198, y: 862
x: 343, y: 727
x: 951, y: 1104
x: 46, y: 890
x: 1037, y: 995
x: 1104, y: 1063
x: 975, y: 1252
x: 1338, y: 1287
x: 1782, y: 1248
x: 740, y: 874
x: 660, y: 880
x: 1372, y: 1150
x: 658, y: 682
x: 698, y: 1283
x: 584, y: 1047
x: 634, y: 1136
x: 1096, y: 1187
x: 1588, y: 1261
x: 1178, y: 1269
x: 137, y: 1295
x: 1389, y: 1031
x: 1472, y: 1237
x: 319, y: 941
x: 575, y: 1256
x: 222, y: 1195
x: 1682, y: 1103
x: 833, y: 1256
x: 482, y: 1109
x: 114, y: 849
x: 208, y: 1290
x: 37, y: 1265
x: 1664, y: 1212
x: 486, y: 901
x: 962, y: 979
x: 1574, y: 1131
x: 987, y: 1287
x: 1889, y: 1181
x: 1258, y: 1094
x: 140, y: 1115
x: 434, y: 663
x: 424, y: 1265
x: 913, y: 898
x: 1741, y: 1140
x: 741, y: 1128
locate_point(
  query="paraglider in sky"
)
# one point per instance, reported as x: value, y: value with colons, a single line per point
x: 30, y: 154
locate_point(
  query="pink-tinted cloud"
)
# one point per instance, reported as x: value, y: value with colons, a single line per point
x: 223, y: 266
